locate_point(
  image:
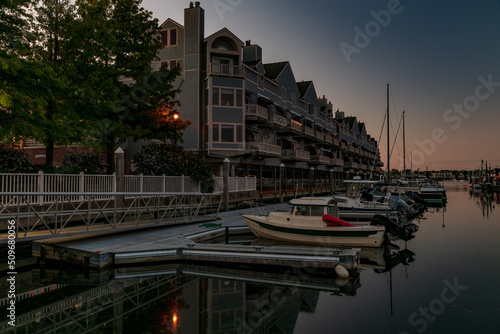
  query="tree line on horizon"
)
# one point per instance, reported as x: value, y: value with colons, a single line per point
x: 81, y: 72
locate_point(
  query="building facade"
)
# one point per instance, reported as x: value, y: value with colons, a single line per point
x: 257, y: 114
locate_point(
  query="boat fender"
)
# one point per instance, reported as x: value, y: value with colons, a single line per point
x: 335, y: 222
x: 341, y: 271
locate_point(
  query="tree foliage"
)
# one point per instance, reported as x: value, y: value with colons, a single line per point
x: 172, y: 160
x: 14, y: 161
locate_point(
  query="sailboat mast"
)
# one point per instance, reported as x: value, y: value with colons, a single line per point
x: 404, y: 147
x: 388, y: 143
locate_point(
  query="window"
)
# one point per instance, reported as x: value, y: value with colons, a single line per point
x: 239, y: 98
x: 172, y: 64
x: 169, y: 37
x: 283, y: 93
x: 229, y: 133
x: 215, y: 96
x: 227, y: 97
x: 222, y: 65
x: 310, y: 109
x: 215, y: 132
x: 239, y: 133
x: 293, y: 99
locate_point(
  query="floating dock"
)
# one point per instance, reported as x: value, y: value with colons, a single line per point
x: 184, y: 244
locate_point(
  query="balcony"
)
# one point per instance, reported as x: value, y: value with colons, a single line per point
x: 321, y: 159
x: 256, y: 112
x: 338, y: 162
x: 354, y: 165
x: 363, y: 166
x: 309, y: 131
x: 328, y: 138
x: 280, y: 120
x: 349, y: 149
x: 296, y: 126
x: 295, y: 155
x: 264, y: 149
x: 225, y: 70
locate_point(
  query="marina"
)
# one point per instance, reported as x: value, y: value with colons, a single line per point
x: 400, y: 279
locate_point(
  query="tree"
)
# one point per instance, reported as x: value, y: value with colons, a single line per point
x: 118, y: 87
x: 53, y: 31
x: 165, y: 125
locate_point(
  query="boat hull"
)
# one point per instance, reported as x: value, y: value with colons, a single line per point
x: 356, y: 236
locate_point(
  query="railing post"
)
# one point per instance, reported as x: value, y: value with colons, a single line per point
x: 82, y: 185
x: 282, y: 170
x: 41, y: 186
x: 225, y: 183
x: 182, y: 184
x: 163, y: 183
x: 141, y: 183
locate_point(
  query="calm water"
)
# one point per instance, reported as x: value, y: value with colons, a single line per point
x: 445, y: 280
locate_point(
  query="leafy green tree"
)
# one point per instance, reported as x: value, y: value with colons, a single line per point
x: 14, y: 161
x: 118, y: 87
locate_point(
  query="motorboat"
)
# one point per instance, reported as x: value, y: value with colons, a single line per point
x: 314, y: 220
x: 404, y: 186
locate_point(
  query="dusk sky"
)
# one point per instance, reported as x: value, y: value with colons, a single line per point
x: 441, y: 58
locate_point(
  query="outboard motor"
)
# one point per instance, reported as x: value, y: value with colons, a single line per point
x: 414, y: 196
x: 390, y: 226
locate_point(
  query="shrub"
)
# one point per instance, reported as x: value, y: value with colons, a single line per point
x: 14, y: 161
x: 88, y: 162
x: 172, y: 160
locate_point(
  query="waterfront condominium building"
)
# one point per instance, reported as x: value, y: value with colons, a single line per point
x: 257, y: 114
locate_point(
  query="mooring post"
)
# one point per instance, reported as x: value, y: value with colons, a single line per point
x: 282, y: 172
x: 331, y: 181
x: 311, y: 177
x: 225, y: 183
x: 120, y: 181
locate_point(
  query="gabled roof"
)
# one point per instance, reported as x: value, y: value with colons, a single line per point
x: 222, y: 32
x: 361, y: 126
x: 303, y: 87
x: 350, y: 121
x: 274, y: 70
x: 173, y: 21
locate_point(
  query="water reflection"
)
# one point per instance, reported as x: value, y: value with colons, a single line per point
x: 486, y: 201
x: 184, y: 298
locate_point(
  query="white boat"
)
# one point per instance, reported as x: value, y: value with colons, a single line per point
x: 313, y: 220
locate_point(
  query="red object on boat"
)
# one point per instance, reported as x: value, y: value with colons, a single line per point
x: 335, y: 222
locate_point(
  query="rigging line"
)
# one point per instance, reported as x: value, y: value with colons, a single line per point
x: 395, y: 139
x: 395, y: 113
x: 378, y: 144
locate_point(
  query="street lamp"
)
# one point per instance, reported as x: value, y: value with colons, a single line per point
x: 176, y: 118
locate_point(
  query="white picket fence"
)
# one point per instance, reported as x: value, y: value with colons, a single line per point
x: 40, y: 182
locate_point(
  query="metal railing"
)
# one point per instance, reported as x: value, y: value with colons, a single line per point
x: 264, y: 148
x: 256, y: 110
x: 103, y: 210
x: 236, y: 184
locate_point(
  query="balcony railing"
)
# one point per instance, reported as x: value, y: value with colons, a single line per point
x: 309, y: 131
x: 258, y: 111
x: 336, y: 141
x: 351, y: 165
x: 264, y: 148
x: 328, y: 138
x: 319, y: 135
x: 280, y: 120
x: 296, y: 155
x: 320, y: 159
x: 226, y: 70
x: 297, y: 126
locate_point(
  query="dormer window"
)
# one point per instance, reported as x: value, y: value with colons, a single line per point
x: 222, y: 44
x: 169, y: 37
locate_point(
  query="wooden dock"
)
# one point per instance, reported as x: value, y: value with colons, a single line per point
x: 184, y: 243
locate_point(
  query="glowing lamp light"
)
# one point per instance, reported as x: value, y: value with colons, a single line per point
x: 176, y: 115
x: 174, y: 319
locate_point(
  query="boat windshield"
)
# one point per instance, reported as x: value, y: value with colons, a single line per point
x: 309, y: 210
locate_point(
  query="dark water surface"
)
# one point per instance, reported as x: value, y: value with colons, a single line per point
x: 445, y: 280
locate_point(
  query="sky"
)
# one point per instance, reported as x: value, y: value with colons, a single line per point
x: 441, y: 59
